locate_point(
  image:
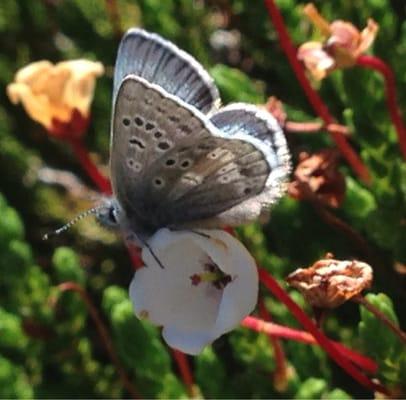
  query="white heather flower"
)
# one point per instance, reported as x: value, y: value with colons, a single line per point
x: 206, y: 287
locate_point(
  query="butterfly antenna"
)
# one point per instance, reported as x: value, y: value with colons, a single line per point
x: 72, y: 222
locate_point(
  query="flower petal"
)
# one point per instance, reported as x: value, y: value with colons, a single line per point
x: 240, y: 296
x: 193, y: 315
x: 187, y: 342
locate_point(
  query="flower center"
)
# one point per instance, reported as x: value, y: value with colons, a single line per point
x: 212, y: 273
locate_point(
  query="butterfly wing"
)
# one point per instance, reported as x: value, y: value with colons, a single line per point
x: 171, y: 166
x: 160, y: 62
x: 249, y: 122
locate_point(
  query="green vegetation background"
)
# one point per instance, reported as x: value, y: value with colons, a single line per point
x: 49, y: 351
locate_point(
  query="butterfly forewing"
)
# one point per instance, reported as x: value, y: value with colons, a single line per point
x: 170, y: 165
x: 159, y: 61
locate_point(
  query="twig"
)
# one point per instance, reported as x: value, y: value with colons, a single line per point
x: 317, y: 103
x: 103, y: 333
x: 380, y: 315
x: 185, y: 371
x: 114, y: 16
x: 343, y: 227
x: 285, y: 332
x: 82, y: 155
x: 385, y: 70
x: 314, y: 127
x: 272, y: 285
x: 280, y: 375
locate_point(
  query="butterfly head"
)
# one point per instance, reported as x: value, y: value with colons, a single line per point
x: 110, y: 214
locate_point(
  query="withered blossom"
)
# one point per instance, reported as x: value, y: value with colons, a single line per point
x: 275, y: 107
x: 343, y: 43
x: 317, y: 177
x: 328, y: 283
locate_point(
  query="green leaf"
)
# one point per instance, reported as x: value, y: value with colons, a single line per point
x: 67, y: 265
x: 235, y: 86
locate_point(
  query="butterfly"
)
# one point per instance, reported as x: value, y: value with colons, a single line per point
x: 178, y: 159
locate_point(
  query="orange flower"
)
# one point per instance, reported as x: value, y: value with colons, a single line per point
x: 57, y: 96
x: 342, y: 45
x: 329, y: 283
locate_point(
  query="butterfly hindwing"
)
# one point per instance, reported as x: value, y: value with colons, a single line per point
x: 246, y: 120
x: 160, y: 62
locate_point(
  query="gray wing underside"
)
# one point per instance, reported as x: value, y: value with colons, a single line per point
x: 160, y: 62
x: 247, y: 121
x: 170, y: 165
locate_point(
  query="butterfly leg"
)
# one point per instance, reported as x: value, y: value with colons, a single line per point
x: 132, y: 237
x: 154, y: 255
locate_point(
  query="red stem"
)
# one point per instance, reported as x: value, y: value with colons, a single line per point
x: 272, y: 285
x: 114, y: 16
x: 280, y: 374
x: 82, y: 155
x: 185, y: 371
x: 135, y: 256
x: 315, y: 100
x: 385, y: 70
x: 103, y: 333
x: 285, y: 332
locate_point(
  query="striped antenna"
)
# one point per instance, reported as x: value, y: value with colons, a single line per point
x: 73, y: 222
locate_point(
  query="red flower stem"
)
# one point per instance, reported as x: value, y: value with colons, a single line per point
x: 185, y: 371
x: 114, y: 16
x: 102, y: 183
x: 315, y: 100
x: 272, y: 285
x: 280, y: 374
x: 285, y: 332
x: 385, y: 70
x: 103, y: 333
x: 314, y: 127
x: 135, y: 256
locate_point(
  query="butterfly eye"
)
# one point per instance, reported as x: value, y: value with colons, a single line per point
x: 113, y: 215
x: 247, y: 190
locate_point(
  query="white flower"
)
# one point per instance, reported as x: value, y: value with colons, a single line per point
x: 206, y: 287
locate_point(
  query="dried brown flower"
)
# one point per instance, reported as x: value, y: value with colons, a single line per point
x: 317, y: 177
x: 275, y: 107
x: 329, y: 283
